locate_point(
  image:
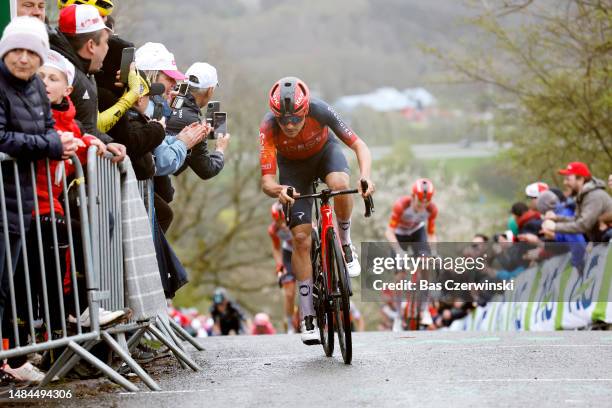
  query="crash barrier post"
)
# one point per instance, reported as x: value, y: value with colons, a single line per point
x: 46, y: 261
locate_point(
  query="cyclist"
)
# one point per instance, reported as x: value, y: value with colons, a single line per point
x: 295, y: 137
x: 413, y: 220
x: 281, y: 250
x: 227, y: 315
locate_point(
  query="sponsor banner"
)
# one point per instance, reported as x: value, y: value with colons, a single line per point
x: 561, y: 296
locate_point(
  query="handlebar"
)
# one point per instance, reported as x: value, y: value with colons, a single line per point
x: 326, y: 194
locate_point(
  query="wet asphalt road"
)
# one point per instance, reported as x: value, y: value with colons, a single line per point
x: 420, y: 369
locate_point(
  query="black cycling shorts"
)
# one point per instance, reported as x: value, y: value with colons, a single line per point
x: 300, y: 174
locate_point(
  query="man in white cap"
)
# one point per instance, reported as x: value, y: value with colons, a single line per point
x: 533, y: 192
x: 26, y: 133
x: 202, y: 80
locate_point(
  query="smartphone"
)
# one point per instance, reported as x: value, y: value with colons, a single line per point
x: 213, y: 106
x: 177, y: 102
x: 127, y: 57
x: 219, y: 123
x: 183, y: 88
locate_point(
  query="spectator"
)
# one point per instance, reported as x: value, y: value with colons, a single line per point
x: 169, y: 151
x: 202, y: 82
x: 26, y: 133
x: 533, y: 191
x: 549, y: 201
x: 32, y: 8
x: 159, y: 65
x: 83, y: 40
x: 528, y: 220
x: 592, y: 201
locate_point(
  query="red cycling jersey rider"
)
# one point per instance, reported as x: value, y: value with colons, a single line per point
x: 413, y: 219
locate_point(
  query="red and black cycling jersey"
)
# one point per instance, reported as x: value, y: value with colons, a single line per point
x: 405, y: 221
x: 311, y: 139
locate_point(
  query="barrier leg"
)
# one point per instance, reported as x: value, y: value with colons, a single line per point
x: 164, y: 331
x: 62, y: 360
x: 74, y: 359
x: 177, y: 352
x: 130, y: 362
x: 109, y: 372
x: 183, y: 333
x: 135, y: 339
x: 163, y: 322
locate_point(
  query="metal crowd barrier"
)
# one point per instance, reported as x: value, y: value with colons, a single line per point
x: 104, y: 208
x: 36, y: 267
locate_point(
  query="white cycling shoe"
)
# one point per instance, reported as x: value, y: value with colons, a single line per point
x: 352, y: 262
x: 310, y: 331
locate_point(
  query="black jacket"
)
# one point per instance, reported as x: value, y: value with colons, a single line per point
x: 141, y: 138
x: 85, y: 92
x: 26, y: 133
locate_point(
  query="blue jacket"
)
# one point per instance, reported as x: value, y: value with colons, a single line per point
x: 576, y: 242
x: 26, y: 134
x: 169, y: 156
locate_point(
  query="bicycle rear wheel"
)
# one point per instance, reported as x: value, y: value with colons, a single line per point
x: 341, y: 301
x: 325, y: 316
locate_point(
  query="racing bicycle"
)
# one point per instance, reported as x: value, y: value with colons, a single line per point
x: 331, y: 283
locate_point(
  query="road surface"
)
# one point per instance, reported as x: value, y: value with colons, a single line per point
x: 423, y: 369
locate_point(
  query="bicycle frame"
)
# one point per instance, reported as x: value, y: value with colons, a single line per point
x: 325, y: 223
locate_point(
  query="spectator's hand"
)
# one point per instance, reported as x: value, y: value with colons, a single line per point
x: 137, y: 84
x: 192, y: 135
x: 222, y: 142
x: 603, y: 226
x: 161, y: 121
x: 284, y: 198
x: 531, y: 238
x: 548, y: 234
x: 100, y: 145
x: 69, y: 143
x: 550, y: 215
x: 119, y: 84
x: 370, y: 190
x: 118, y: 150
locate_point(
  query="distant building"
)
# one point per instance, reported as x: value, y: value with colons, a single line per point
x: 389, y: 100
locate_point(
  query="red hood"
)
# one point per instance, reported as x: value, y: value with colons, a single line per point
x: 64, y: 119
x: 528, y: 216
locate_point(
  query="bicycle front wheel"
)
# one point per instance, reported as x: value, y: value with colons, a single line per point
x: 325, y: 316
x: 340, y: 290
